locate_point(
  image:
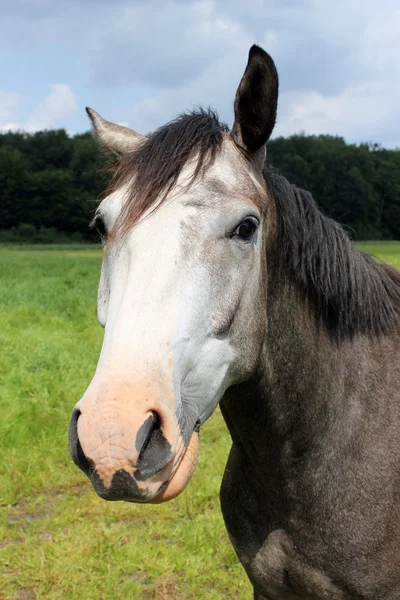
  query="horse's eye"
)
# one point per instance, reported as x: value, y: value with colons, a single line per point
x: 246, y: 228
x: 99, y: 225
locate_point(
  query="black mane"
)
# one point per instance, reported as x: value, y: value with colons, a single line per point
x: 351, y: 292
x: 153, y: 169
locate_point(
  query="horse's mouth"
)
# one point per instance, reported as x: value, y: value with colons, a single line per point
x: 151, y: 464
x: 124, y: 486
x: 182, y: 473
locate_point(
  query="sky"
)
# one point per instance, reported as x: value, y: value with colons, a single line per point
x: 142, y: 62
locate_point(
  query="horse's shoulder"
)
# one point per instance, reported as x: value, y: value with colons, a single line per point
x: 282, y: 573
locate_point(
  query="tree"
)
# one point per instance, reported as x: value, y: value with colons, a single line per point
x: 51, y: 182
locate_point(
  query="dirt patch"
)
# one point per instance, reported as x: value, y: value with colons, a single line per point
x: 44, y: 536
x: 136, y: 576
x: 22, y: 517
x: 22, y: 512
x: 10, y: 542
x: 25, y: 594
x: 165, y: 588
x: 9, y: 573
x: 81, y: 487
x: 129, y: 520
x: 53, y: 494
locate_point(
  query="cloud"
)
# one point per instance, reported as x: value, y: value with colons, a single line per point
x: 316, y: 45
x: 9, y: 127
x: 9, y: 102
x: 215, y: 87
x: 337, y: 75
x: 164, y: 44
x: 147, y: 61
x: 361, y: 108
x: 57, y: 106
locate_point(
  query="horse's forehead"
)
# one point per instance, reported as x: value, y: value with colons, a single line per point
x: 229, y: 167
x: 230, y: 176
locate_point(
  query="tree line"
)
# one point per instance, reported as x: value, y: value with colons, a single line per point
x: 50, y: 183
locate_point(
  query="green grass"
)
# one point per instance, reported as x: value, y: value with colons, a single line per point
x: 388, y: 252
x: 58, y: 540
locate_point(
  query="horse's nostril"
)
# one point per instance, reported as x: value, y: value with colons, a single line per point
x: 155, y: 450
x: 152, y: 425
x: 75, y: 448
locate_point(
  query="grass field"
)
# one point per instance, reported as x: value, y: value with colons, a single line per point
x: 58, y: 540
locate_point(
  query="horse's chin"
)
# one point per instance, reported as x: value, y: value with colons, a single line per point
x: 183, y: 474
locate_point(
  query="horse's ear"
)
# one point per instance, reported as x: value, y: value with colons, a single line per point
x: 255, y: 104
x: 116, y: 138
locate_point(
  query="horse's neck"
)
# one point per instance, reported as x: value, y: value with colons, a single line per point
x: 300, y: 367
x: 298, y: 404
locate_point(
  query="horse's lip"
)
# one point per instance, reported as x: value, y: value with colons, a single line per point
x: 196, y: 429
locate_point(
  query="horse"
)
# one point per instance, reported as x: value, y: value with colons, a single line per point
x: 222, y: 283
